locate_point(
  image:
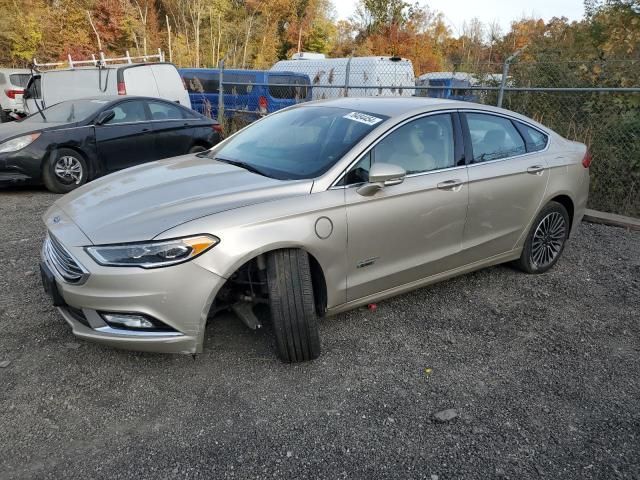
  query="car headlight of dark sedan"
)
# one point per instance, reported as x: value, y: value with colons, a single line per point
x: 18, y: 143
x: 152, y: 254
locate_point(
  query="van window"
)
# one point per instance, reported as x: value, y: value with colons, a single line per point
x: 129, y: 112
x: 201, y: 82
x: 493, y: 137
x: 34, y: 88
x: 165, y: 111
x: 238, y: 83
x: 287, y: 86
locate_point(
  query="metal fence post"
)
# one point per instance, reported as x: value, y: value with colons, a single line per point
x: 505, y: 74
x: 221, y: 93
x: 346, y: 81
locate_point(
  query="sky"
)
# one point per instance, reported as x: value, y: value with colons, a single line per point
x: 504, y: 11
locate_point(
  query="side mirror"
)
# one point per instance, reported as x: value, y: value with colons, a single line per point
x: 382, y: 175
x: 104, y: 117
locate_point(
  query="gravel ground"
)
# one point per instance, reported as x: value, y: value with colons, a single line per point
x: 542, y: 372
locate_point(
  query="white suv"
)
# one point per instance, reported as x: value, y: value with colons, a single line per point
x: 12, y: 84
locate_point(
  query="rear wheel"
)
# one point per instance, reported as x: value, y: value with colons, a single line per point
x: 65, y: 172
x: 293, y: 312
x: 546, y: 239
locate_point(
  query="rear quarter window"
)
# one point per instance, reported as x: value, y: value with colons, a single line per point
x: 534, y: 139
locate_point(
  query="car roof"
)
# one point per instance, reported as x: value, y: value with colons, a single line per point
x: 389, y: 106
x: 115, y: 98
x: 403, y: 106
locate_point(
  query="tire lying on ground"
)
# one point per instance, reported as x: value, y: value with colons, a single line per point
x: 546, y: 239
x: 293, y: 311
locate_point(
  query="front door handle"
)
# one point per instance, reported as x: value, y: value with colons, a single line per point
x: 535, y: 169
x: 454, y: 185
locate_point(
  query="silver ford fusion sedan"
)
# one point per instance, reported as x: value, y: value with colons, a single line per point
x: 311, y: 211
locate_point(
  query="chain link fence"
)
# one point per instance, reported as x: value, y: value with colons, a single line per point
x: 597, y: 103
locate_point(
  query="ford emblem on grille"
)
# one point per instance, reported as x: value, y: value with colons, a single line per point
x: 56, y: 219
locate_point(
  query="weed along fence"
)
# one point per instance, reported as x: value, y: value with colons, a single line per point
x: 597, y: 103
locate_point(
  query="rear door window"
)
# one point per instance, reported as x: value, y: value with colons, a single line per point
x: 493, y: 137
x: 129, y: 112
x: 165, y: 111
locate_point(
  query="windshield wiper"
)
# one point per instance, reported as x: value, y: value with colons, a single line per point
x: 245, y: 165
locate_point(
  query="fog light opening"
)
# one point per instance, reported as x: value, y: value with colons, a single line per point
x: 134, y: 321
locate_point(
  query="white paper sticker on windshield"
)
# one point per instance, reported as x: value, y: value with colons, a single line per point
x: 363, y: 118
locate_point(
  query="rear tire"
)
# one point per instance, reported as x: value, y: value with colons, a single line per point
x: 65, y: 172
x: 293, y: 311
x: 546, y: 239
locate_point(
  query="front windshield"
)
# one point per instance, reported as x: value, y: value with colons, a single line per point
x: 299, y: 143
x: 69, y: 111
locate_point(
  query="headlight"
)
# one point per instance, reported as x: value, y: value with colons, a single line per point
x: 152, y: 254
x: 19, y: 143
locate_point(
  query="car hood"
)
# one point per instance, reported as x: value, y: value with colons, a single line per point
x: 139, y: 203
x: 15, y: 129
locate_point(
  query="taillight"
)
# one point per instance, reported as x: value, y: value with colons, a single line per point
x: 12, y: 93
x: 122, y: 89
x: 217, y: 127
x: 586, y: 160
x: 263, y: 105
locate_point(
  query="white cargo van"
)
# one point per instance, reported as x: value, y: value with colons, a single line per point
x: 354, y: 76
x: 160, y: 80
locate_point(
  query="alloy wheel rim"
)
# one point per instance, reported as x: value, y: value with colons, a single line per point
x: 548, y: 239
x: 68, y: 169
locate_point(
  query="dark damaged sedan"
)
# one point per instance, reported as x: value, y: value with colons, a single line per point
x: 73, y: 142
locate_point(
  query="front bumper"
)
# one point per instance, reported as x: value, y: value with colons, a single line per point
x: 163, y: 342
x: 20, y: 167
x: 179, y: 296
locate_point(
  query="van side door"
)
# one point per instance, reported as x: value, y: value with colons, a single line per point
x: 127, y: 139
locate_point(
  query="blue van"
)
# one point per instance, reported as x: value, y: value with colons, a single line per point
x: 449, y: 85
x: 247, y: 93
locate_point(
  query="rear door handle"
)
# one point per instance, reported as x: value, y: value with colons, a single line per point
x: 450, y: 185
x: 535, y: 169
